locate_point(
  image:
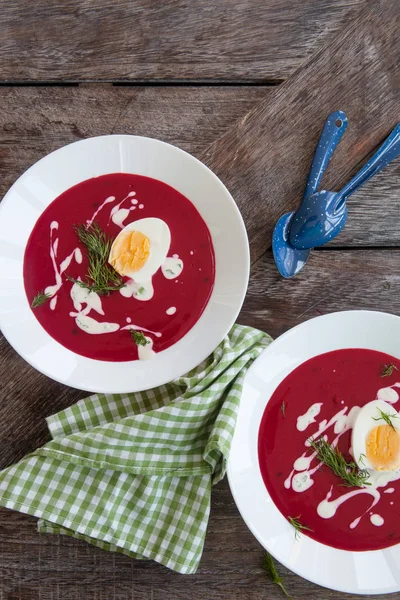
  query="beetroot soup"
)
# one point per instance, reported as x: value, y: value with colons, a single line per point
x: 137, y: 285
x: 345, y: 401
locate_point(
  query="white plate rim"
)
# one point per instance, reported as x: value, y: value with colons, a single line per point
x: 234, y: 479
x: 228, y: 317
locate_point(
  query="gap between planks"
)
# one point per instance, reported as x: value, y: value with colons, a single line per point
x: 147, y: 83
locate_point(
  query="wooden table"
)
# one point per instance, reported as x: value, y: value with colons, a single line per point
x: 245, y: 86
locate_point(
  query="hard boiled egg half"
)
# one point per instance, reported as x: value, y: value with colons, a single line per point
x: 140, y: 248
x: 376, y: 437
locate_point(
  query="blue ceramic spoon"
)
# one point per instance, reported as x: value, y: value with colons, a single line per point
x: 288, y: 259
x: 323, y: 215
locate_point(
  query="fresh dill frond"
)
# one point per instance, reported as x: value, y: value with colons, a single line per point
x: 283, y: 408
x: 269, y: 566
x: 298, y: 526
x: 349, y: 472
x: 100, y: 277
x: 387, y: 370
x: 40, y: 299
x: 386, y: 417
x: 139, y: 338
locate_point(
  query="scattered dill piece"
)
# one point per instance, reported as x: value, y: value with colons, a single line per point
x: 283, y: 408
x: 298, y: 526
x: 349, y: 472
x: 40, y: 299
x: 387, y: 370
x: 169, y: 271
x: 141, y: 290
x: 100, y: 277
x: 269, y: 566
x: 139, y: 338
x: 361, y: 459
x: 386, y: 417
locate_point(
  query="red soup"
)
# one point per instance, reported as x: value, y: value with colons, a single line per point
x: 322, y: 399
x: 171, y: 250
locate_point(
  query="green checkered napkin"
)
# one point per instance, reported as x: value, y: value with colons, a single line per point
x: 133, y: 473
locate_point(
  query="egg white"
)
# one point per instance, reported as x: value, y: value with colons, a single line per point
x: 363, y: 425
x: 159, y: 235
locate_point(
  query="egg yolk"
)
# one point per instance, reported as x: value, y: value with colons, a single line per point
x: 383, y: 448
x: 130, y: 252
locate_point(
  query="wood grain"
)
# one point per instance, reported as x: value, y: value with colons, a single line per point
x: 36, y: 120
x: 176, y: 40
x: 193, y: 118
x: 332, y: 280
x: 264, y: 159
x: 260, y: 141
x: 44, y: 567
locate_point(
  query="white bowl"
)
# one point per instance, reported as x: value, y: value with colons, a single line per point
x: 372, y: 572
x: 60, y: 170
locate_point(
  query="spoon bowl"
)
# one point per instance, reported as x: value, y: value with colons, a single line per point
x: 323, y: 215
x: 318, y: 220
x: 288, y: 259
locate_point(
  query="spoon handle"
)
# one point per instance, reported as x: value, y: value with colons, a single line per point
x: 389, y: 150
x: 334, y: 128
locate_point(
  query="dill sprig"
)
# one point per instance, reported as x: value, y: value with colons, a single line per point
x: 139, y: 338
x: 269, y: 566
x: 387, y: 370
x: 298, y: 526
x: 386, y: 417
x: 283, y: 408
x: 349, y: 472
x: 40, y: 299
x: 100, y: 277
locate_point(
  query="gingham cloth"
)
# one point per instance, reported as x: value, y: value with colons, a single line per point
x: 133, y: 473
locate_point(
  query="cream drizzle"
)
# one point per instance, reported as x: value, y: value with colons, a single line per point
x: 81, y: 296
x: 85, y: 301
x: 118, y: 214
x: 106, y: 201
x: 52, y: 290
x: 94, y: 327
x: 327, y: 508
x: 377, y: 520
x: 139, y: 328
x: 142, y: 290
x: 303, y: 421
x: 172, y: 267
x: 388, y: 394
x: 146, y: 352
x: 341, y: 422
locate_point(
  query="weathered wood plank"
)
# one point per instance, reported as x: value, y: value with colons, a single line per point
x: 192, y: 118
x: 142, y: 40
x: 66, y: 569
x: 264, y: 159
x: 36, y: 120
x: 34, y: 566
x: 332, y: 280
x: 374, y: 212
